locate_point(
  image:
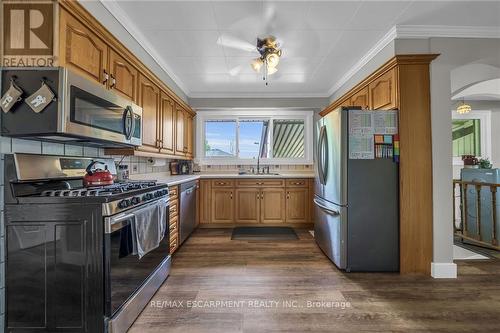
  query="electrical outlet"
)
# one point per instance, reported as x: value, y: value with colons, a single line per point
x: 135, y: 168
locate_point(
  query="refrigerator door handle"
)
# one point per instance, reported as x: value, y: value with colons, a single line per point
x: 326, y: 209
x: 325, y: 152
x: 320, y: 155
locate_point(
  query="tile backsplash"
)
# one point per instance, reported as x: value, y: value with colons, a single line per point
x: 272, y: 168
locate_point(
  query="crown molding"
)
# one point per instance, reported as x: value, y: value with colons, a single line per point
x: 117, y: 12
x: 383, y: 42
x: 444, y: 31
x: 230, y: 95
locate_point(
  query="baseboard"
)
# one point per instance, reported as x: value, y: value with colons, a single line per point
x: 444, y: 270
x: 233, y: 225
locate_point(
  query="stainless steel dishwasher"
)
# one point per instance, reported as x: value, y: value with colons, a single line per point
x: 187, y: 216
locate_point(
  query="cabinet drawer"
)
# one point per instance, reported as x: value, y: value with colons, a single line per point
x: 173, y: 243
x: 174, y: 192
x: 261, y: 182
x: 223, y: 183
x: 173, y: 225
x: 297, y: 182
x: 174, y: 206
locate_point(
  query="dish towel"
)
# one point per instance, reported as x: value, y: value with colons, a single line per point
x: 147, y: 229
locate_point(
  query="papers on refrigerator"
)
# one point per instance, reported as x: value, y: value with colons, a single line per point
x: 361, y: 147
x: 360, y: 122
x: 385, y: 122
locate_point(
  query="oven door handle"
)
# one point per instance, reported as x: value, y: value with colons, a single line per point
x: 112, y: 224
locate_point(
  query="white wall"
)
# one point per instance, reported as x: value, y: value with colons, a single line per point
x: 454, y: 52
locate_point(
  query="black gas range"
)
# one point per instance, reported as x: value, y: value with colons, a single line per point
x: 87, y: 259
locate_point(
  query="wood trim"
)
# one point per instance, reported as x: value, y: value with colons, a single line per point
x: 402, y: 59
x: 137, y: 152
x: 415, y: 186
x: 81, y: 14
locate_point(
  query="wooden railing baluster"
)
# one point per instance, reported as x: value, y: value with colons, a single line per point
x: 493, y: 190
x: 462, y: 230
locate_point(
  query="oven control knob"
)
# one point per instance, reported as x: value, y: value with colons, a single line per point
x: 157, y: 194
x: 164, y: 192
x: 124, y: 203
x: 147, y: 196
x: 135, y: 200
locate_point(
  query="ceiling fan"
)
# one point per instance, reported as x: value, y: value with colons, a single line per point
x: 269, y: 49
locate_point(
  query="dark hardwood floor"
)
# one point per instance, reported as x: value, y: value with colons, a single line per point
x: 211, y: 267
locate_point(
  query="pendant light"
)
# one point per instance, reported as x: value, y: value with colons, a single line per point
x: 463, y: 108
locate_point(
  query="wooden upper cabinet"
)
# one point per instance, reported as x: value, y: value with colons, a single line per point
x: 167, y: 124
x: 149, y: 99
x: 189, y: 134
x: 222, y: 208
x: 360, y: 98
x: 123, y: 76
x: 247, y: 205
x: 272, y: 205
x: 382, y: 91
x: 297, y: 205
x: 180, y: 148
x: 81, y: 50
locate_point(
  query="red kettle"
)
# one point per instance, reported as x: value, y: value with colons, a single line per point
x: 97, y: 177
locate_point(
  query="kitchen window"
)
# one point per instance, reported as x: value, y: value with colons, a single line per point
x: 275, y: 137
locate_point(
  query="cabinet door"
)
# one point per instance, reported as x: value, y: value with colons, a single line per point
x: 123, y: 76
x: 205, y: 192
x: 272, y: 205
x: 81, y: 50
x: 297, y: 205
x: 360, y: 98
x: 149, y: 99
x: 179, y: 131
x: 167, y: 124
x: 382, y: 92
x: 247, y: 205
x: 189, y: 135
x: 222, y: 205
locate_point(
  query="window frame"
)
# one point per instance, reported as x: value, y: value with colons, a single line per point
x: 484, y: 117
x: 251, y: 114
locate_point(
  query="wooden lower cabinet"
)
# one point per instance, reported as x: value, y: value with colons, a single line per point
x: 272, y: 209
x: 297, y: 205
x: 269, y: 201
x: 222, y: 205
x: 247, y: 205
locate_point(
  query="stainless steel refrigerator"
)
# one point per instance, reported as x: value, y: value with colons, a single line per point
x: 356, y: 201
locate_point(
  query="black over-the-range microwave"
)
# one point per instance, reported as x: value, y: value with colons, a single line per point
x: 81, y: 112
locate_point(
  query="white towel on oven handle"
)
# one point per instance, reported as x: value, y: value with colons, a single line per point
x: 162, y: 217
x: 146, y: 229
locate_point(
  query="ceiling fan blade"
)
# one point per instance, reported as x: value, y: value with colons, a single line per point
x: 235, y: 70
x: 235, y: 43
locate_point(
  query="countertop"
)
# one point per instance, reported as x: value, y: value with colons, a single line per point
x: 175, y: 180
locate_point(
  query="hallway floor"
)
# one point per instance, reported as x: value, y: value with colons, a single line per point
x: 290, y: 286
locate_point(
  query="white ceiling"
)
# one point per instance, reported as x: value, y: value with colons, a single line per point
x: 322, y: 40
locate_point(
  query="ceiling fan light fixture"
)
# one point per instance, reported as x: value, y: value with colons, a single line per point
x: 272, y: 59
x: 257, y: 64
x: 271, y: 70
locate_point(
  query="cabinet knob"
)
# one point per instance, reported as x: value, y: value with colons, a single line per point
x: 113, y: 81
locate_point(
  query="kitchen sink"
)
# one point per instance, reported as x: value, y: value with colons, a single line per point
x: 244, y: 173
